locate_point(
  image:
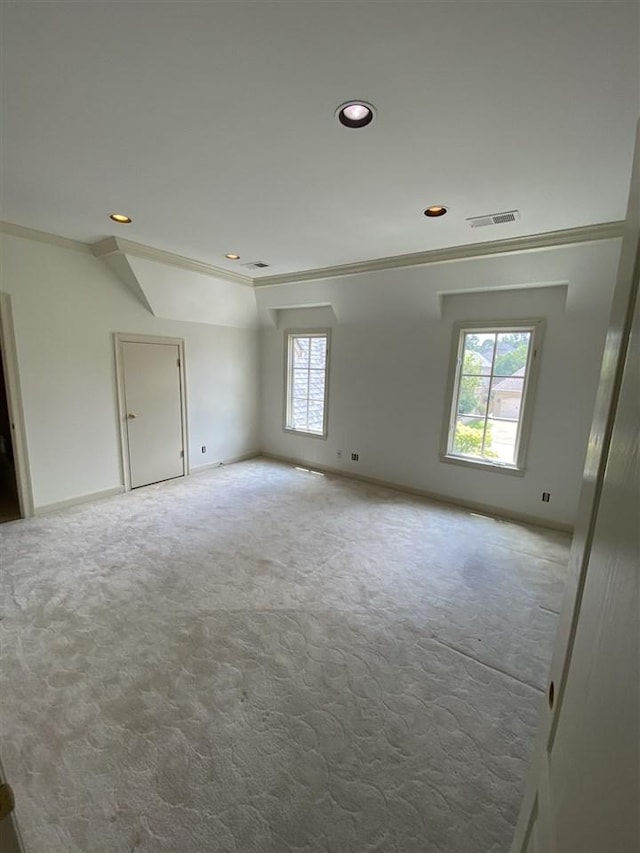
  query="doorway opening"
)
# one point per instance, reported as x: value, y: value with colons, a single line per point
x: 9, y: 501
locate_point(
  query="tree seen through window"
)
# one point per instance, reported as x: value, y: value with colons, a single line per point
x: 490, y: 389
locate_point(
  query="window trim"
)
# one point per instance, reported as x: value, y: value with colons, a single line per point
x: 309, y: 333
x: 536, y: 327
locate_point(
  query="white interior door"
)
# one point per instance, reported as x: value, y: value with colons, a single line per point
x: 583, y: 792
x: 153, y: 411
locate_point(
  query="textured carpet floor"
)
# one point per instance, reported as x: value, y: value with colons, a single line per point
x: 263, y: 660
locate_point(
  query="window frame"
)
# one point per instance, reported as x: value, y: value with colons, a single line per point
x: 289, y: 336
x: 460, y: 328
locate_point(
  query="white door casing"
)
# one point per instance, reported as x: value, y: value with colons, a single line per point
x: 152, y: 409
x: 583, y: 790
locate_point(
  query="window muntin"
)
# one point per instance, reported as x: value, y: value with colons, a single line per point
x: 490, y: 391
x: 306, y: 377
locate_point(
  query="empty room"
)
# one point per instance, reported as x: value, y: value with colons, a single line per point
x: 319, y: 427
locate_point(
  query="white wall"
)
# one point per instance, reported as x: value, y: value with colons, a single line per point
x: 390, y: 349
x: 391, y: 339
x: 198, y: 297
x: 66, y: 307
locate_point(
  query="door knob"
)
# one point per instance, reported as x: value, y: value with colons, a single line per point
x: 131, y: 416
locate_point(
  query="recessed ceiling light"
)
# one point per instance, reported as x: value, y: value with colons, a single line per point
x: 122, y: 218
x: 436, y: 210
x: 232, y: 256
x: 355, y: 114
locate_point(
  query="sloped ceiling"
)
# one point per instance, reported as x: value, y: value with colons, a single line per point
x: 212, y: 124
x: 179, y: 292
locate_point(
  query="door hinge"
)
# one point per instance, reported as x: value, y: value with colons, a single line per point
x: 182, y: 454
x: 7, y: 800
x: 178, y: 362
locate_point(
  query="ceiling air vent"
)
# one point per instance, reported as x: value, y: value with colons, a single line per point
x: 494, y: 219
x: 255, y: 265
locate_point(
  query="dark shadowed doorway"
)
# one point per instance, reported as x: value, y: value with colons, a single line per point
x: 9, y: 503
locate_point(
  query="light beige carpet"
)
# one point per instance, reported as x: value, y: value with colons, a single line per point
x: 263, y: 660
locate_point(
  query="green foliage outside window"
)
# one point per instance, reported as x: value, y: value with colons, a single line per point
x: 468, y: 439
x: 510, y: 362
x: 513, y: 349
x: 490, y: 385
x: 470, y: 388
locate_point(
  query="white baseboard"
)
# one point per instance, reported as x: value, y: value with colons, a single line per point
x: 485, y: 509
x: 79, y: 499
x: 197, y: 469
x: 118, y: 490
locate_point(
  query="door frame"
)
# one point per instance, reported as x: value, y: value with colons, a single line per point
x: 14, y: 404
x: 120, y: 338
x: 612, y: 371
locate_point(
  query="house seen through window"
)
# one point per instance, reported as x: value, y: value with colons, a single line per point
x: 490, y: 394
x: 306, y: 374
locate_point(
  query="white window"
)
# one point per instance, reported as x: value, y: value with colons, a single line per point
x: 307, y: 356
x: 491, y: 394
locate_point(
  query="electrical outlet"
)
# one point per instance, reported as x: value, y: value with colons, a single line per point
x: 203, y: 448
x: 546, y: 497
x: 354, y: 457
x: 339, y: 454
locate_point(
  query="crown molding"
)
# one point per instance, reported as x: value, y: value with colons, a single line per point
x: 469, y: 251
x: 117, y: 245
x: 14, y: 230
x: 546, y: 240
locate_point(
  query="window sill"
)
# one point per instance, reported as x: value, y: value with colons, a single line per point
x: 302, y: 432
x: 482, y: 465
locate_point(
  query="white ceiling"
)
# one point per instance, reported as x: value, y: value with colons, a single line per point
x: 212, y: 123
